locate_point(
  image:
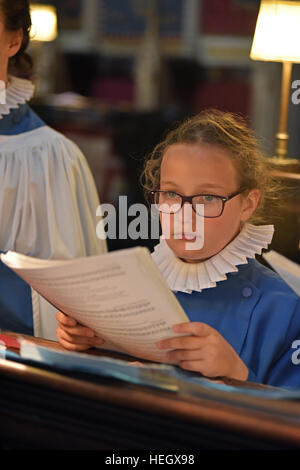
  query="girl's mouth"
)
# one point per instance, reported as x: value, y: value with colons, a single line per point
x: 184, y: 236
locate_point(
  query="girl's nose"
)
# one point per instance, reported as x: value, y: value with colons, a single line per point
x: 187, y: 210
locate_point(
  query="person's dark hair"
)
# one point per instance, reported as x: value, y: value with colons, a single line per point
x: 16, y: 15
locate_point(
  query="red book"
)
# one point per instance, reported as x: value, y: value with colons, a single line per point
x: 9, y: 342
x: 231, y: 95
x: 230, y: 17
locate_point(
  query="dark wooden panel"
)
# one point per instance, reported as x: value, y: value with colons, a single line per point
x: 35, y: 417
x: 286, y: 218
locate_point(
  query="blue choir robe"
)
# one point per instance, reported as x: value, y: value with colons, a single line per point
x: 48, y: 202
x: 259, y: 315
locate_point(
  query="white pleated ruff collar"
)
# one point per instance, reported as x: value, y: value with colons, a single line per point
x: 18, y: 91
x: 189, y: 277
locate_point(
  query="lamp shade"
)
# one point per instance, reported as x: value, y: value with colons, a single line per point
x: 277, y: 33
x: 44, y: 22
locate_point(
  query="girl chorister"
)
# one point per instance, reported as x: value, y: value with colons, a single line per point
x: 243, y: 317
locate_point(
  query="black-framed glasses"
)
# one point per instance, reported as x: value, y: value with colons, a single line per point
x: 171, y: 202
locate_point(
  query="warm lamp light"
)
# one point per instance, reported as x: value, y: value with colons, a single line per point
x: 277, y: 38
x: 277, y: 33
x: 44, y: 23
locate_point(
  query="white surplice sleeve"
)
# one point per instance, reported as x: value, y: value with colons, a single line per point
x: 48, y: 198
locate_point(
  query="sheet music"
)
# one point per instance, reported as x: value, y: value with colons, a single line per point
x: 121, y: 295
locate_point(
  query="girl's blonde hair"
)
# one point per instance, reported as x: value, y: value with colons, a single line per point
x: 231, y: 133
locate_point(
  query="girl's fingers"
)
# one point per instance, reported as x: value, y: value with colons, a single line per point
x: 181, y: 342
x: 195, y: 366
x: 64, y: 335
x: 193, y: 328
x: 185, y: 355
x: 201, y: 366
x: 78, y: 331
x: 74, y: 336
x: 65, y: 319
x: 73, y: 346
x: 72, y: 327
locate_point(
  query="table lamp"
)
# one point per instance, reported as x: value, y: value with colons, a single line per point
x: 277, y: 38
x: 43, y: 32
x: 44, y: 22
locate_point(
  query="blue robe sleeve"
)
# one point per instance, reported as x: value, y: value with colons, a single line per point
x: 284, y: 369
x: 15, y: 302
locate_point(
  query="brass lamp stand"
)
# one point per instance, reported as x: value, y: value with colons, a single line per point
x: 282, y: 135
x: 280, y: 159
x: 277, y: 38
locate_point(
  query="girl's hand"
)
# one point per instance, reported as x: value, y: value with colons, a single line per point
x: 204, y: 350
x: 73, y: 336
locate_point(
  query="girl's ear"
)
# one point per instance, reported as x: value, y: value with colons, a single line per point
x: 250, y: 204
x: 15, y: 42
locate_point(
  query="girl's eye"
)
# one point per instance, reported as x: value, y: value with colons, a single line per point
x: 209, y: 198
x: 171, y: 195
